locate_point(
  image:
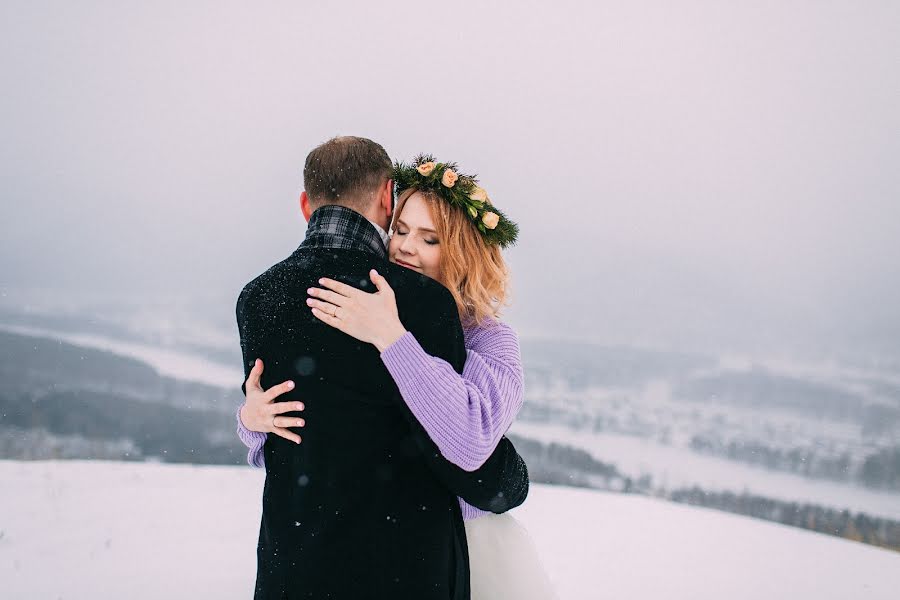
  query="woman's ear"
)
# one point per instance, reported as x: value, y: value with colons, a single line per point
x: 304, y: 206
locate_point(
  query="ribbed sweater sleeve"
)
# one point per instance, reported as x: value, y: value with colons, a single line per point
x: 465, y: 415
x: 254, y: 440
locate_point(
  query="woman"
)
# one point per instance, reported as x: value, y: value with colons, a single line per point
x: 446, y: 228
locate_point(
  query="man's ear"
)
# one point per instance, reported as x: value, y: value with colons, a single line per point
x: 304, y: 205
x: 387, y: 198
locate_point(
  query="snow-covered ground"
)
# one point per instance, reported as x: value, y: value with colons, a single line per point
x: 97, y: 530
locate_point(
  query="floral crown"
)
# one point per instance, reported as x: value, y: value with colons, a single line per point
x: 461, y: 191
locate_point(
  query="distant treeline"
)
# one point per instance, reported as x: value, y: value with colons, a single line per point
x: 880, y: 470
x: 563, y: 465
x: 94, y: 425
x: 63, y: 401
x: 560, y: 464
x: 841, y: 523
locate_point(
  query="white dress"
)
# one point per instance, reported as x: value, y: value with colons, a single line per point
x: 504, y: 562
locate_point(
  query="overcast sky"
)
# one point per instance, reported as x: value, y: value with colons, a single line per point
x: 688, y: 173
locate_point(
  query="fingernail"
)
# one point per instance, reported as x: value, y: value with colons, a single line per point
x: 311, y: 291
x: 309, y: 301
x: 290, y: 385
x: 300, y: 422
x: 322, y: 281
x: 299, y: 406
x: 374, y: 271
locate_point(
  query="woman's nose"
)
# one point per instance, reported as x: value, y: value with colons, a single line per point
x: 407, y: 247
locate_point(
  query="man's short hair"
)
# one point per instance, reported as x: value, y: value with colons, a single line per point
x: 346, y: 170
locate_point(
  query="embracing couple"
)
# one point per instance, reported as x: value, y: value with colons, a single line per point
x: 379, y: 386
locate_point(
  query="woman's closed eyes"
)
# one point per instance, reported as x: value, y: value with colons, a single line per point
x: 430, y: 242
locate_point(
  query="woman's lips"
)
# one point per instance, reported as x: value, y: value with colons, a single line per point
x: 405, y: 264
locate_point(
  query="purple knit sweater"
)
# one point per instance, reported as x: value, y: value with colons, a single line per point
x: 465, y: 415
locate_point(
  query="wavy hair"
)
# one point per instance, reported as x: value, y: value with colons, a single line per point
x: 473, y: 271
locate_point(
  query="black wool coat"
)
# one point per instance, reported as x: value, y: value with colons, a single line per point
x: 365, y: 506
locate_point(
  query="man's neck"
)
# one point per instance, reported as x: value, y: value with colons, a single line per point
x: 384, y: 234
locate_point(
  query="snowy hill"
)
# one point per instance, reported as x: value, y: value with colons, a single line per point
x: 94, y: 529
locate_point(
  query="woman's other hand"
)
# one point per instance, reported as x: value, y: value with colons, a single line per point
x: 368, y: 317
x: 260, y: 411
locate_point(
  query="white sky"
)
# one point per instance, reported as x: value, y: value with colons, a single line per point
x: 691, y: 173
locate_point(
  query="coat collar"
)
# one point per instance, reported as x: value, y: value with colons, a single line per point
x: 333, y: 226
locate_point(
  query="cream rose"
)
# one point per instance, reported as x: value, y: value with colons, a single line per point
x: 449, y: 178
x: 478, y: 194
x: 490, y: 219
x: 425, y: 169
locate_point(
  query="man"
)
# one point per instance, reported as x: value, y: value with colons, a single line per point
x: 365, y: 506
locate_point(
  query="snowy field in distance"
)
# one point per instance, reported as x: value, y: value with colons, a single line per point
x: 93, y: 529
x: 674, y: 467
x: 669, y: 466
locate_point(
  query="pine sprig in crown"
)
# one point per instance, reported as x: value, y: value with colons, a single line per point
x: 461, y: 191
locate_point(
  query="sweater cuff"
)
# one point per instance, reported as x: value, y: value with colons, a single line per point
x: 254, y: 440
x: 405, y: 359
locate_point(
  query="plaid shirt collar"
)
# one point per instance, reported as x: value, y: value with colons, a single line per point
x: 333, y: 226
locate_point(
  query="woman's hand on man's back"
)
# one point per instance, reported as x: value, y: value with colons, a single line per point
x: 261, y: 413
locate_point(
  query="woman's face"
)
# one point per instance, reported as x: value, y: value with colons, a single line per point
x: 415, y: 244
